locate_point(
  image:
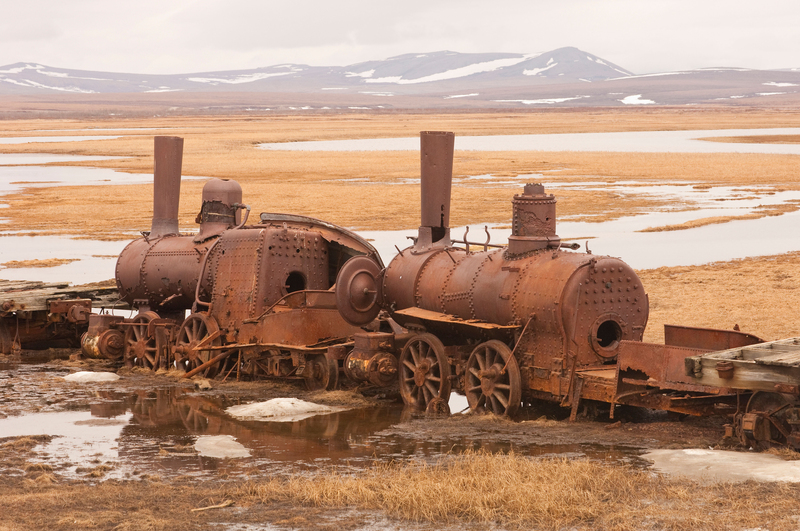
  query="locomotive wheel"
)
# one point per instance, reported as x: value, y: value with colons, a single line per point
x: 424, y: 371
x: 768, y: 426
x: 140, y: 349
x: 193, y: 330
x: 492, y: 379
x: 321, y: 373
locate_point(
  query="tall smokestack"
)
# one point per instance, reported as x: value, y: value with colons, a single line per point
x: 166, y: 185
x: 436, y: 176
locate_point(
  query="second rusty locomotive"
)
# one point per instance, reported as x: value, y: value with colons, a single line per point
x: 494, y: 323
x: 259, y: 294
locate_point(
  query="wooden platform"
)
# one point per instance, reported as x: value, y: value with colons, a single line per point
x: 26, y: 295
x: 767, y: 366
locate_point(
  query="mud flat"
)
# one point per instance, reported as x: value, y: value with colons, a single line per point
x: 107, y: 454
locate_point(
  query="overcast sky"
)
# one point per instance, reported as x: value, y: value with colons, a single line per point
x: 183, y: 36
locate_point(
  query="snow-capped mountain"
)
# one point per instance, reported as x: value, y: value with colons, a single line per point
x: 422, y: 71
x: 558, y: 78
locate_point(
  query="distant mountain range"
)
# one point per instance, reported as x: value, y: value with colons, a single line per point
x: 562, y: 77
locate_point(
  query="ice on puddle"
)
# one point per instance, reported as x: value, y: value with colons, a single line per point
x: 723, y: 465
x: 220, y: 446
x: 281, y: 410
x: 89, y: 376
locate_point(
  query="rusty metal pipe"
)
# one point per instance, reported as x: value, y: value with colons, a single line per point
x: 168, y: 157
x: 436, y: 176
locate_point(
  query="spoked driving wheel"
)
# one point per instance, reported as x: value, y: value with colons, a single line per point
x: 765, y: 423
x: 493, y: 380
x: 140, y: 347
x: 424, y: 371
x: 197, y: 327
x: 321, y: 373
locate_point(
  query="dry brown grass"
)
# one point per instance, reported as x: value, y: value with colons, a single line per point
x: 756, y: 139
x: 762, y: 212
x: 519, y: 492
x: 761, y: 295
x: 312, y: 183
x: 788, y: 454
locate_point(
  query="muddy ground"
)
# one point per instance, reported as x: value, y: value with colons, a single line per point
x: 153, y: 477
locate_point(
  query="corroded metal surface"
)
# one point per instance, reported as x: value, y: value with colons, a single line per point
x: 258, y: 293
x: 39, y: 315
x: 707, y: 338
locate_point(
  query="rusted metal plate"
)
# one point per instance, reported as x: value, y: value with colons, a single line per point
x: 302, y: 319
x: 707, y: 338
x: 448, y: 326
x: 427, y: 315
x: 661, y: 366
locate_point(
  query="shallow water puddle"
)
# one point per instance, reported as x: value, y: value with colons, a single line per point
x: 33, y: 139
x: 177, y: 431
x: 627, y: 141
x: 644, y: 250
x: 94, y: 260
x: 14, y: 159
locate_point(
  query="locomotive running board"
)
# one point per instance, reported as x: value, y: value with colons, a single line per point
x: 435, y: 321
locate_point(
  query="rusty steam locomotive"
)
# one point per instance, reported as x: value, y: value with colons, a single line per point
x: 493, y: 323
x: 295, y: 297
x: 258, y: 293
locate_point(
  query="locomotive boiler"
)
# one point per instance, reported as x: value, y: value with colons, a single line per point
x: 497, y: 324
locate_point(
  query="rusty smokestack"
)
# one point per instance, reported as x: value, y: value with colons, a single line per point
x: 168, y: 156
x: 436, y: 176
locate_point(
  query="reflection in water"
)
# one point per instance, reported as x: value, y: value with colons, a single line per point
x: 155, y: 431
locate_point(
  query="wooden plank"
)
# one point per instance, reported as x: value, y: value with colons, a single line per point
x: 786, y: 359
x: 34, y: 295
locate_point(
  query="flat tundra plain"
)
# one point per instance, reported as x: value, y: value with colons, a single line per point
x: 377, y: 191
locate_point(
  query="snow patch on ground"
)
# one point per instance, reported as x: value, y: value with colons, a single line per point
x: 34, y: 84
x: 537, y: 71
x: 281, y: 410
x: 21, y: 69
x: 365, y: 74
x: 647, y: 75
x: 777, y: 84
x: 548, y: 101
x: 89, y: 377
x: 721, y: 465
x: 220, y: 446
x: 636, y: 99
x: 461, y: 96
x: 468, y: 70
x: 248, y: 78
